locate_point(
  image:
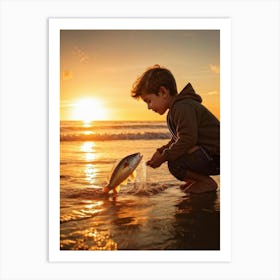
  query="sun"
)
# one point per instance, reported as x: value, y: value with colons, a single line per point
x: 89, y: 109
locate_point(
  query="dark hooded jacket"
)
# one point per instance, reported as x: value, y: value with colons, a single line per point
x: 191, y: 124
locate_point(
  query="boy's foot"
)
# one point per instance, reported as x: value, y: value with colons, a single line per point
x: 201, y: 187
x: 201, y: 183
x: 187, y: 184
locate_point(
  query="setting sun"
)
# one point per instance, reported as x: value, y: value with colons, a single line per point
x: 89, y: 109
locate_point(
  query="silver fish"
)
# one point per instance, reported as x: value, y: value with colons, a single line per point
x: 122, y: 171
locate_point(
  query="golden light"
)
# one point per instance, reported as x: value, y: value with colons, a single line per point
x: 89, y: 109
x: 87, y: 147
x: 90, y: 173
x: 88, y: 150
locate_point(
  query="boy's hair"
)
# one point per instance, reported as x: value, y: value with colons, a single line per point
x: 152, y: 79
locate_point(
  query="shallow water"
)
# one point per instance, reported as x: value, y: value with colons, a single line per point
x: 151, y: 213
x: 162, y: 219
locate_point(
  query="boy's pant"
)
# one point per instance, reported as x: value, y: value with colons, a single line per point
x: 198, y: 161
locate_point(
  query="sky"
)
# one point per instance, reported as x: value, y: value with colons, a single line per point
x: 99, y: 67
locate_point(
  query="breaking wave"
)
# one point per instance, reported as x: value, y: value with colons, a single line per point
x: 114, y: 136
x: 112, y: 130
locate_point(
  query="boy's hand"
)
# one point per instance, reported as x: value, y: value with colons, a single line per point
x: 157, y: 160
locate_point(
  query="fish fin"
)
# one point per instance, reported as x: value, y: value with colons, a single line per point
x: 133, y: 175
x: 124, y: 182
x: 106, y: 189
x: 117, y: 189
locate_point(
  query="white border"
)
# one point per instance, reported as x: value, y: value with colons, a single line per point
x: 255, y: 191
x: 222, y: 24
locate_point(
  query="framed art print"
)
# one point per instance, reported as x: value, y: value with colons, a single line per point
x: 70, y: 127
x: 94, y: 124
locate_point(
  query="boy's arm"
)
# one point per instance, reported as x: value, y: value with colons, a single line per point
x: 186, y: 122
x: 161, y: 149
x: 158, y: 158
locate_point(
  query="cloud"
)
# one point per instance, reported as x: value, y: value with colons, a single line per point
x: 215, y: 68
x: 211, y: 93
x: 67, y: 75
x: 81, y: 54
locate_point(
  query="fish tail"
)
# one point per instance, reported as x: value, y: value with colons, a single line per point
x: 106, y: 189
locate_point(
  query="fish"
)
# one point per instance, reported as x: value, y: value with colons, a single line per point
x: 125, y: 169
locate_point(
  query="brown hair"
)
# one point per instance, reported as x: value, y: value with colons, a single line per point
x: 152, y: 79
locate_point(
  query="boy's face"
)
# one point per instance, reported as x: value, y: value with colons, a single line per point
x: 158, y: 103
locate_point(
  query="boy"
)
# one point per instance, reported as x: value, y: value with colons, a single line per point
x: 193, y: 153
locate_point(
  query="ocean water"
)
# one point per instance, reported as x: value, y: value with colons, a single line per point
x: 150, y: 212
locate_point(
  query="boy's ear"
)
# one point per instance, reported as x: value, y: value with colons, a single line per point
x: 163, y: 90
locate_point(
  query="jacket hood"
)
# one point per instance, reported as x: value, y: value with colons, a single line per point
x: 188, y: 92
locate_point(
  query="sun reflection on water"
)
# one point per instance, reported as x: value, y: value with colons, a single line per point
x: 87, y: 147
x: 90, y: 239
x: 89, y: 156
x: 90, y: 173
